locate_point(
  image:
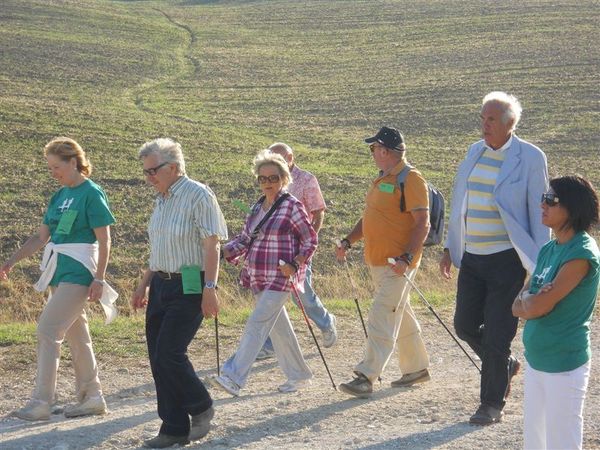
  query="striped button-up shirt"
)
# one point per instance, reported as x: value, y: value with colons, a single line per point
x: 285, y: 235
x: 180, y: 221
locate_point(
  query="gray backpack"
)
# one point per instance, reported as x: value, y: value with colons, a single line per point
x: 436, y: 208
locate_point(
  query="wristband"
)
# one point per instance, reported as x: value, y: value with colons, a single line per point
x: 98, y: 280
x: 295, y: 264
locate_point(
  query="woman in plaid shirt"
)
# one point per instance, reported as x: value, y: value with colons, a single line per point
x: 286, y: 235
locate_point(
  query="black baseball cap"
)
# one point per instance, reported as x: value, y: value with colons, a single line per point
x: 388, y: 137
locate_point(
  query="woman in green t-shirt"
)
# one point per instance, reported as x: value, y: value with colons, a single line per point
x: 76, y: 233
x: 558, y: 302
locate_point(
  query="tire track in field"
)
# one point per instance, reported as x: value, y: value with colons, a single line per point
x: 193, y: 61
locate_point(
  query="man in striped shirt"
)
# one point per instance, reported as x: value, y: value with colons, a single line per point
x: 494, y: 234
x: 185, y: 229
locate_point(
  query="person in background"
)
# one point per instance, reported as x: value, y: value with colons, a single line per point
x: 494, y: 235
x: 76, y: 234
x: 277, y: 229
x: 179, y: 289
x: 305, y: 188
x: 558, y: 303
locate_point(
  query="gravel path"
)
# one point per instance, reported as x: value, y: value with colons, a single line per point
x: 432, y: 415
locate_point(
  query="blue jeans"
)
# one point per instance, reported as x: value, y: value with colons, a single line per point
x: 172, y: 320
x: 312, y: 305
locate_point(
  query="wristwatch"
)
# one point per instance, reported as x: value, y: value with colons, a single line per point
x: 407, y: 258
x: 210, y: 285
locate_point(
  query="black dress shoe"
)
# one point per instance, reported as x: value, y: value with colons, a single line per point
x: 513, y: 368
x: 486, y: 415
x: 164, y: 441
x: 201, y: 424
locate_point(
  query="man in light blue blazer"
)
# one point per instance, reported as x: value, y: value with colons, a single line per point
x: 494, y: 234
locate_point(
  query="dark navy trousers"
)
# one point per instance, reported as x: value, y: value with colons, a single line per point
x: 172, y: 320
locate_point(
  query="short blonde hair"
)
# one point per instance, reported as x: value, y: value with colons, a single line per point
x: 266, y: 157
x: 66, y: 148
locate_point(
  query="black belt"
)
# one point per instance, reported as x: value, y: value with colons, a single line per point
x: 168, y: 275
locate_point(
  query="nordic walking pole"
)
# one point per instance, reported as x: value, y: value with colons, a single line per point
x: 418, y: 291
x: 282, y: 263
x: 355, y: 289
x: 217, y: 339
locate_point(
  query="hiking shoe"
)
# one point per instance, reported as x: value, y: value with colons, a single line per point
x: 330, y: 335
x: 293, y: 386
x: 34, y: 410
x: 91, y: 406
x: 486, y: 415
x: 360, y: 387
x: 201, y: 424
x: 224, y: 383
x: 265, y: 354
x: 409, y: 379
x: 164, y: 441
x: 513, y: 368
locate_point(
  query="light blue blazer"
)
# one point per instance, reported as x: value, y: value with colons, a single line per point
x: 522, y: 180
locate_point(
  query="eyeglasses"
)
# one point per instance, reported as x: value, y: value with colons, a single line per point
x: 152, y: 170
x: 550, y: 199
x: 372, y: 147
x: 271, y: 179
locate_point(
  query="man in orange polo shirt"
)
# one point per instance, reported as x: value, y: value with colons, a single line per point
x: 391, y: 233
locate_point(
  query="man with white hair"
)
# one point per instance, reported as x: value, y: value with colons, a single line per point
x: 305, y: 188
x: 495, y: 232
x: 179, y: 289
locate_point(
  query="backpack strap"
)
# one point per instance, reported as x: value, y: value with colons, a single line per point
x: 400, y: 179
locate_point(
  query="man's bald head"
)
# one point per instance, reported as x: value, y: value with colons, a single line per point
x: 284, y: 150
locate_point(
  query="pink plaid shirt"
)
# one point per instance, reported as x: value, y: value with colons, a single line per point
x: 286, y: 234
x: 305, y: 188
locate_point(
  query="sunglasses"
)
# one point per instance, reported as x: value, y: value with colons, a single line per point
x: 152, y: 170
x: 373, y: 147
x: 270, y: 179
x: 550, y: 199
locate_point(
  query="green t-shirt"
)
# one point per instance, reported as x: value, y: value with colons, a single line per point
x: 81, y: 209
x: 560, y: 340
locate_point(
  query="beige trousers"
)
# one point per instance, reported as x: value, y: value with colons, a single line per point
x: 64, y: 317
x: 392, y: 324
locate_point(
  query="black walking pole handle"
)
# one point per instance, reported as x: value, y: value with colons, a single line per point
x: 310, y: 328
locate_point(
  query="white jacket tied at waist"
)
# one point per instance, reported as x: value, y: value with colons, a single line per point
x: 86, y: 254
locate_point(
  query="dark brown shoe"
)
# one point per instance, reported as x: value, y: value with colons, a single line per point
x: 412, y: 378
x: 164, y: 441
x: 486, y: 415
x: 513, y: 368
x: 201, y: 424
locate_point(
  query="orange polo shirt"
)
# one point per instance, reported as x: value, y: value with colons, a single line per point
x: 386, y: 230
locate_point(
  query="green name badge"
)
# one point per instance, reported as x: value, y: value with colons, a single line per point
x: 66, y: 221
x: 191, y: 280
x: 386, y: 187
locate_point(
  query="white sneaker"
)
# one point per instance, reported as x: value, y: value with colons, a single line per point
x: 91, y: 406
x: 34, y: 410
x: 225, y: 383
x: 293, y: 386
x: 330, y: 335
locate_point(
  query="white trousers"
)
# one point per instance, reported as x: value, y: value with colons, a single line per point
x: 64, y: 317
x: 268, y: 318
x: 392, y: 324
x: 553, y: 410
